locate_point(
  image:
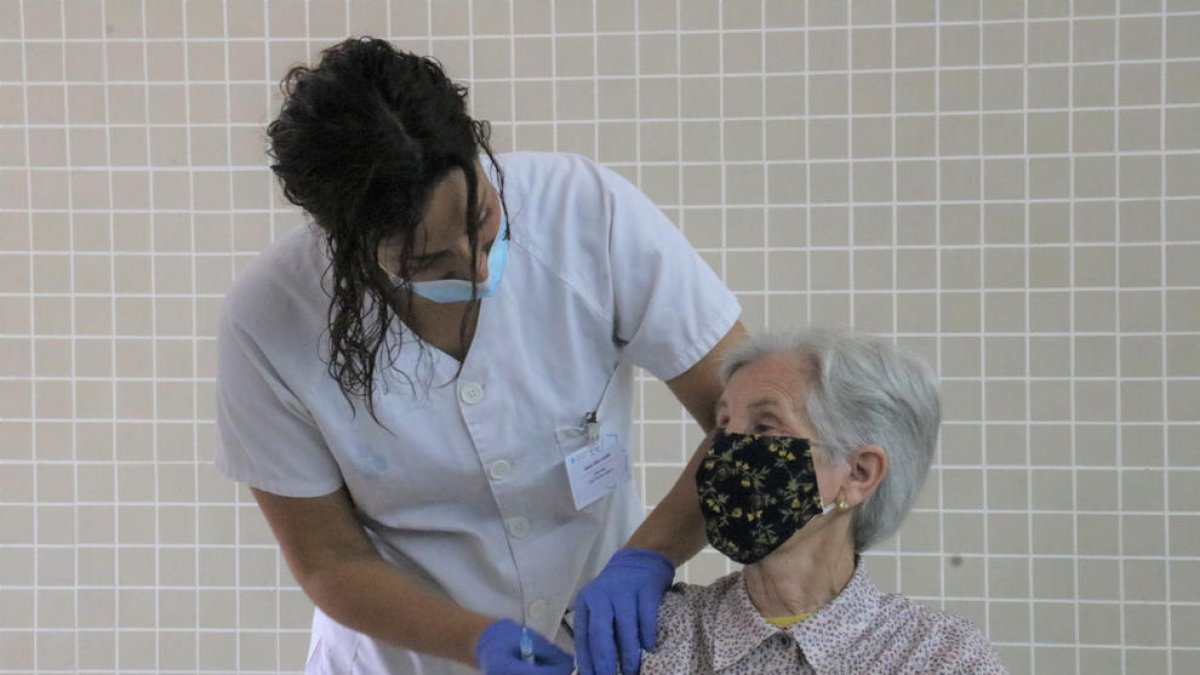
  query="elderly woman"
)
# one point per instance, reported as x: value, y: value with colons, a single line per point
x: 823, y: 442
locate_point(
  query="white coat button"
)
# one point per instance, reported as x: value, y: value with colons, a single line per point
x: 518, y: 527
x: 538, y: 608
x: 472, y: 392
x: 499, y: 470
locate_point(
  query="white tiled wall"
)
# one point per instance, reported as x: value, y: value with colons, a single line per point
x: 1010, y: 188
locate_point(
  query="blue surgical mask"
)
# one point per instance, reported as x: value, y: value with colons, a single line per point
x: 459, y: 290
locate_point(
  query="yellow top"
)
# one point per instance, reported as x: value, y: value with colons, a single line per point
x: 787, y: 621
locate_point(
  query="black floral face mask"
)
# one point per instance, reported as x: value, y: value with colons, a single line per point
x: 755, y: 492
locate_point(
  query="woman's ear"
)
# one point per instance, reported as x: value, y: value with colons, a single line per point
x: 866, y: 468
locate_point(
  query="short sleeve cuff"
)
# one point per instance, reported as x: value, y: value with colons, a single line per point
x: 721, y: 319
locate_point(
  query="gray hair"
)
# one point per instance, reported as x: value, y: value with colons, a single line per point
x: 862, y: 391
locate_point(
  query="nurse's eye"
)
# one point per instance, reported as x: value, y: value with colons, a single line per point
x: 762, y: 428
x: 422, y: 268
x: 426, y: 273
x: 453, y: 274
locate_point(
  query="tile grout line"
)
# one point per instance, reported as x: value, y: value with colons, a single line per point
x: 1071, y: 397
x: 554, y: 121
x: 724, y: 256
x: 1028, y: 364
x: 231, y: 273
x: 32, y: 328
x: 849, y: 83
x: 895, y: 297
x: 937, y: 263
x: 1147, y: 107
x: 1118, y: 412
x: 454, y: 36
x: 985, y: 495
x: 763, y: 153
x: 73, y: 385
x: 157, y: 366
x: 1163, y: 364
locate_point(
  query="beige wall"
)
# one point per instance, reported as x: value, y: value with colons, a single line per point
x: 1013, y: 189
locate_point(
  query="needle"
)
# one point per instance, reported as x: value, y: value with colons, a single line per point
x: 526, y: 645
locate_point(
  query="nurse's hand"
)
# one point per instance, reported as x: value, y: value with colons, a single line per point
x: 498, y: 652
x: 624, y: 599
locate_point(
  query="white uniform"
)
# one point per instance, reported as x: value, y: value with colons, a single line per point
x: 467, y: 488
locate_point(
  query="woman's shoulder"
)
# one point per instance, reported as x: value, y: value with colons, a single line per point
x: 559, y: 208
x: 686, y: 612
x: 904, y: 610
x: 938, y: 637
x: 284, y: 281
x: 715, y: 589
x: 522, y: 164
x: 547, y: 182
x: 691, y: 602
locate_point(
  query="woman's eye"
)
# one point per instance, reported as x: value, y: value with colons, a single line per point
x: 762, y: 428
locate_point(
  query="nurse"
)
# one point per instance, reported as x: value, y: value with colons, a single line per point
x: 427, y: 388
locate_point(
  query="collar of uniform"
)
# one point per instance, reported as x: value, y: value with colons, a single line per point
x: 828, y: 636
x: 736, y: 627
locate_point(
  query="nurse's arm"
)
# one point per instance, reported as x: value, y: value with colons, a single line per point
x: 675, y: 527
x: 339, y: 569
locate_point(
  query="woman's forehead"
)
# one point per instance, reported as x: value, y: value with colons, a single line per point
x: 777, y: 380
x: 445, y: 214
x: 444, y: 218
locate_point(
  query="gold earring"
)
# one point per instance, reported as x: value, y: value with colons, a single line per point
x: 842, y: 505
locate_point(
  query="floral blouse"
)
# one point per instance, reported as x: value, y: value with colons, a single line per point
x: 717, y: 629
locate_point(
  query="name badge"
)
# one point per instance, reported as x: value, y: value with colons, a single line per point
x: 597, y: 470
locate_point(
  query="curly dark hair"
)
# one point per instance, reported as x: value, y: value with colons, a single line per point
x: 360, y: 142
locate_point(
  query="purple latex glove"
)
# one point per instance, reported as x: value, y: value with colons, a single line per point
x: 498, y: 652
x: 618, y: 612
